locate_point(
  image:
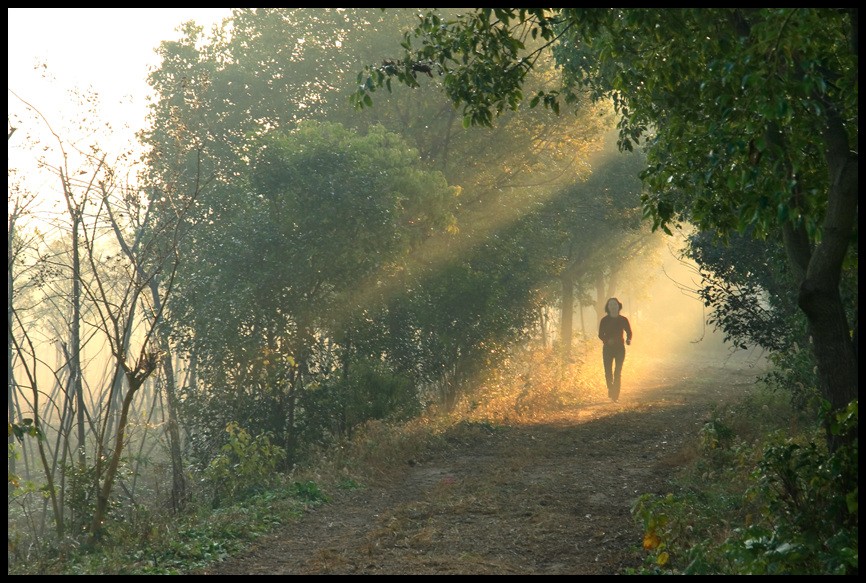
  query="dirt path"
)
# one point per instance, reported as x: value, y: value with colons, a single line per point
x: 550, y: 498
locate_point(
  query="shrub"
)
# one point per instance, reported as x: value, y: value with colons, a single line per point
x: 809, y: 523
x: 245, y: 465
x: 796, y: 512
x: 334, y: 408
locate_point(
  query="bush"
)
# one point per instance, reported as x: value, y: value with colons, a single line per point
x: 796, y: 511
x: 245, y: 465
x: 794, y: 372
x: 335, y: 408
x: 809, y: 523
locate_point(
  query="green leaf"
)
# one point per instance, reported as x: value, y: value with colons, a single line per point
x: 852, y: 500
x: 782, y: 213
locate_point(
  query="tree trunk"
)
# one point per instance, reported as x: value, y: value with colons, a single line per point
x: 600, y: 299
x: 582, y: 320
x: 75, y: 340
x: 291, y: 405
x: 566, y: 330
x: 104, y: 491
x: 819, y: 296
x: 10, y: 394
x: 831, y: 342
x: 178, y: 482
x: 819, y: 272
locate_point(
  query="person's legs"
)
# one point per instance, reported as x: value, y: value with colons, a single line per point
x: 607, y: 354
x: 619, y: 358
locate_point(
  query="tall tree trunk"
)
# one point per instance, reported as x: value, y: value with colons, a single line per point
x: 75, y: 340
x: 178, y: 481
x: 566, y: 330
x: 601, y: 295
x: 543, y: 323
x: 582, y: 320
x: 10, y: 392
x: 291, y: 406
x: 818, y: 270
x: 136, y: 380
x: 819, y: 295
x: 605, y: 288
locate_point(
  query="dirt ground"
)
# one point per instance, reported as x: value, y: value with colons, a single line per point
x: 547, y: 498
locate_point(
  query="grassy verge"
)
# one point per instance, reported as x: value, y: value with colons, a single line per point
x: 764, y: 496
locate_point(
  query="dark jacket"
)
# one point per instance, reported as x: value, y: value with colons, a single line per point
x: 611, y: 329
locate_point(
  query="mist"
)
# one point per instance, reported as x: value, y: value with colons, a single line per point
x: 671, y: 337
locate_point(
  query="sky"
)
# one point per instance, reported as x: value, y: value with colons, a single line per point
x: 106, y: 49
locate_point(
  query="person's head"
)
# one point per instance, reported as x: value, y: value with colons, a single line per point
x: 612, y: 307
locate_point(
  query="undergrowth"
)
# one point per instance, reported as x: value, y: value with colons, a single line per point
x: 239, y: 499
x: 766, y: 496
x: 763, y: 496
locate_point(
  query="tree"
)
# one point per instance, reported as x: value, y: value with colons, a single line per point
x: 306, y: 239
x: 248, y: 81
x: 18, y: 247
x: 749, y: 118
x: 746, y: 280
x: 104, y: 273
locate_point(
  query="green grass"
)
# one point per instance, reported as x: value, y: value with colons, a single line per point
x: 171, y: 545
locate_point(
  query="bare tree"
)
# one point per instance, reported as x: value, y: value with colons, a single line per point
x: 121, y: 269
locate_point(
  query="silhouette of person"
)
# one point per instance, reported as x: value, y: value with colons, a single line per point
x: 610, y: 331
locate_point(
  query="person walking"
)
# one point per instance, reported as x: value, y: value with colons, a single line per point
x: 610, y: 331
